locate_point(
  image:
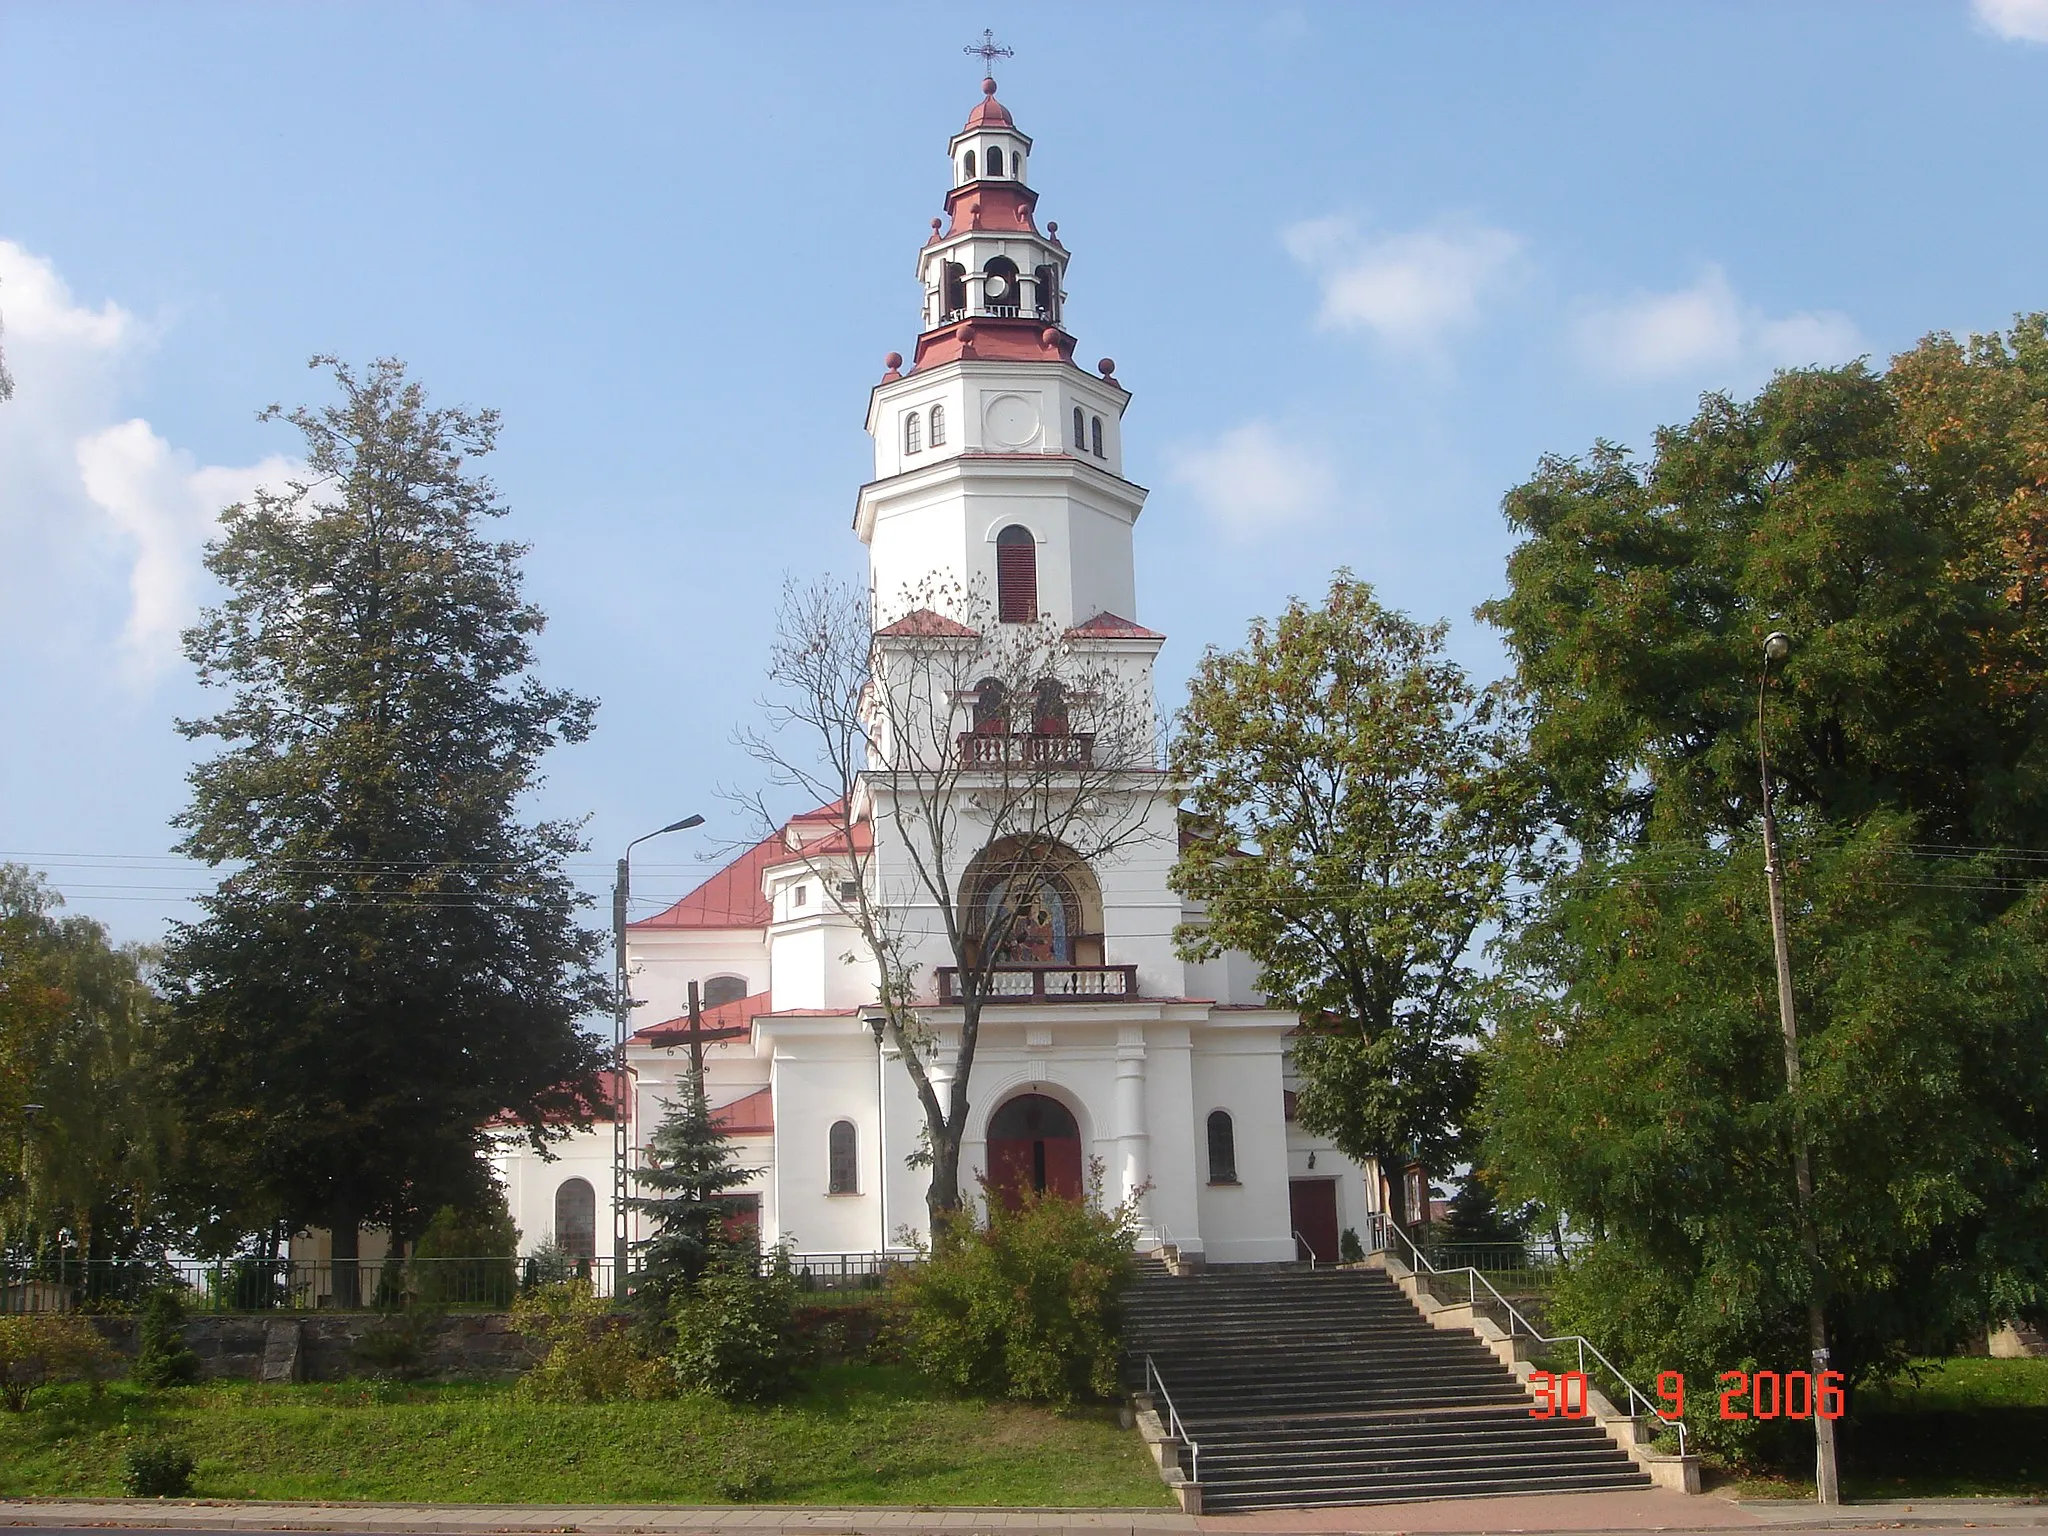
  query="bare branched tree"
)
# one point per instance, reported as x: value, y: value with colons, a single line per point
x: 965, y: 766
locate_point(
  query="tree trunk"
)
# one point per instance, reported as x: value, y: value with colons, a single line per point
x: 346, y: 1246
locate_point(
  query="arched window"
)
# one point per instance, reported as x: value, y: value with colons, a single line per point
x: 842, y: 1157
x: 1049, y: 709
x: 967, y: 166
x: 956, y: 288
x: 991, y: 708
x: 938, y: 426
x: 995, y: 161
x: 1035, y: 920
x: 1016, y: 576
x: 1080, y: 429
x: 1095, y: 436
x: 913, y: 433
x: 1222, y: 1148
x: 1048, y: 285
x: 724, y: 989
x: 576, y: 1218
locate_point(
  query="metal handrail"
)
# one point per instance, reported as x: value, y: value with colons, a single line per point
x: 1474, y: 1279
x: 1307, y: 1247
x: 1173, y: 1420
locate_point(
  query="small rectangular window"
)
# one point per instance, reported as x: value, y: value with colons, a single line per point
x: 849, y: 892
x: 800, y: 896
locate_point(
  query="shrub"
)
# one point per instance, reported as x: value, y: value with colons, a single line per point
x: 157, y: 1469
x: 38, y: 1348
x: 396, y: 1346
x: 735, y: 1330
x: 1349, y: 1248
x: 162, y: 1357
x: 1026, y: 1303
x: 467, y: 1258
x: 589, y: 1355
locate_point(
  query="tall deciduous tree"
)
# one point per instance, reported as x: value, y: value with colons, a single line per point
x: 1356, y: 819
x: 393, y: 960
x: 78, y: 1021
x: 1896, y: 525
x: 964, y: 763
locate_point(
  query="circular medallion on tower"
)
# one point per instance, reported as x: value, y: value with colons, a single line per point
x: 1012, y: 421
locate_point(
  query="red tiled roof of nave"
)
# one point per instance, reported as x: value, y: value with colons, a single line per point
x: 753, y: 1115
x: 729, y: 899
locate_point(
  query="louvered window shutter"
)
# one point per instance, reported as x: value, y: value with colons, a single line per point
x: 1016, y: 576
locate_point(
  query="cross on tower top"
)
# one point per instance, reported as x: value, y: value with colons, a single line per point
x: 990, y: 50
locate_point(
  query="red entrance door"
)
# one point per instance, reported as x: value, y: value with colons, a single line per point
x: 1312, y: 1205
x: 1034, y: 1144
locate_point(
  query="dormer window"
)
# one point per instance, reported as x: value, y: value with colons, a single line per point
x: 938, y: 426
x: 995, y: 161
x: 913, y: 433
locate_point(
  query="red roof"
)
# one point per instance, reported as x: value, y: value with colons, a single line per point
x: 727, y: 1021
x: 988, y: 112
x: 1107, y: 626
x: 753, y: 1115
x: 731, y: 898
x: 923, y: 624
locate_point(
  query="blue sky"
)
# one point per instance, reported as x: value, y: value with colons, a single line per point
x: 1362, y: 265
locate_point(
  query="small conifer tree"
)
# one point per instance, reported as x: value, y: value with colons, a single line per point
x: 162, y: 1357
x: 689, y: 1164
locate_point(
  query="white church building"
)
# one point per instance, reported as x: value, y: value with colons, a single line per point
x: 998, y: 468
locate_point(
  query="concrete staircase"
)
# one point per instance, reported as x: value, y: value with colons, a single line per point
x: 1316, y: 1388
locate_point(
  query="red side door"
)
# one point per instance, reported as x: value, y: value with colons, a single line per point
x: 1312, y: 1205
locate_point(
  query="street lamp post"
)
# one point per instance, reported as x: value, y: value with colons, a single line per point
x: 1827, y: 1484
x: 622, y: 1023
x: 877, y: 1021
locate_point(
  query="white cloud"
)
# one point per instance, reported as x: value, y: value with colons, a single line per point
x: 101, y: 519
x: 2023, y: 21
x: 1411, y: 289
x: 1253, y: 480
x: 1706, y: 328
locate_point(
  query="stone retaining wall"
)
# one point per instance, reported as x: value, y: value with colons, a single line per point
x: 462, y: 1344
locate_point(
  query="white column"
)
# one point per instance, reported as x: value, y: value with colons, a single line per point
x: 1133, y: 1137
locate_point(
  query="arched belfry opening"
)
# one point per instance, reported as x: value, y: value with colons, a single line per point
x: 1034, y: 1147
x: 999, y: 284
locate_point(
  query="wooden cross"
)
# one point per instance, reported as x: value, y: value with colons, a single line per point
x: 990, y: 50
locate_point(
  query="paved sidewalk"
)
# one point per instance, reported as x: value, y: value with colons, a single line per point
x: 1628, y: 1511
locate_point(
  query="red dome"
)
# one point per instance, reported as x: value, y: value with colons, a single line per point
x: 988, y: 112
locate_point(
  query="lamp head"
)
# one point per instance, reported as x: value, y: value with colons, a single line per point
x: 876, y: 1017
x: 29, y: 1113
x: 682, y: 826
x: 1777, y: 645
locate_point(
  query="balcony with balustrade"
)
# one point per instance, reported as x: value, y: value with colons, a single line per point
x: 1047, y: 984
x: 1027, y: 749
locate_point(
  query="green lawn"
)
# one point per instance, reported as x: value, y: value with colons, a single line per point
x: 859, y: 1435
x: 1965, y: 1428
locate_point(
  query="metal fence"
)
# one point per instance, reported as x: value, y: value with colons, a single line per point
x: 1528, y: 1267
x: 307, y: 1285
x: 289, y: 1285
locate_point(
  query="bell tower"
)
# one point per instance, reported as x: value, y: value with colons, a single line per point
x: 998, y: 460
